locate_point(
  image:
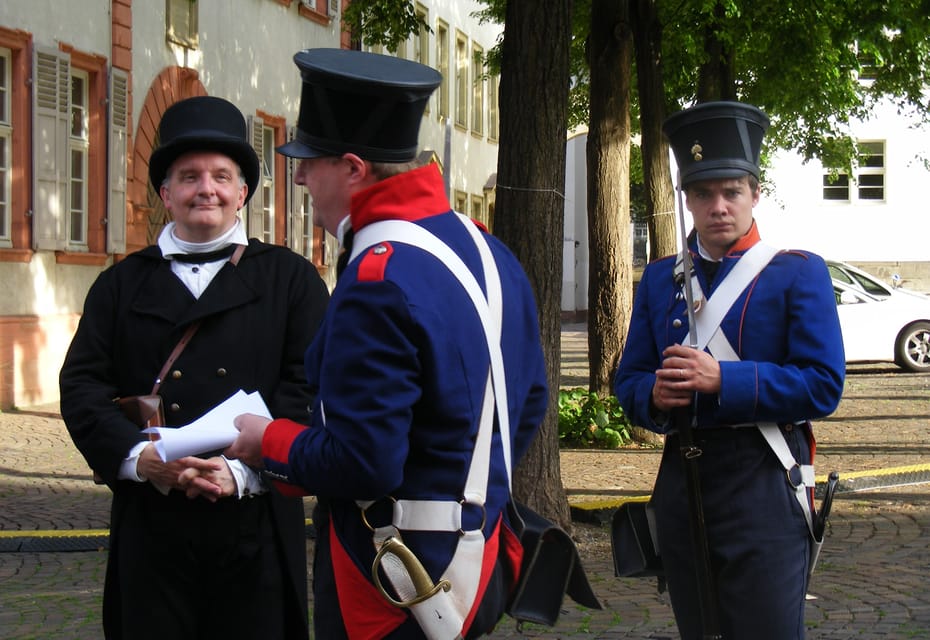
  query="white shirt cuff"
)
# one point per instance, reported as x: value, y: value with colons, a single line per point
x: 128, y: 470
x: 248, y: 482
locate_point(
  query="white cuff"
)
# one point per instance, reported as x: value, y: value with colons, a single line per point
x: 128, y: 470
x: 248, y: 482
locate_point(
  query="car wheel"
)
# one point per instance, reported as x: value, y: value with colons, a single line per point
x: 912, y: 351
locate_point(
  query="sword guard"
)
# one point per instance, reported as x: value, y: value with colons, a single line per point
x: 422, y: 583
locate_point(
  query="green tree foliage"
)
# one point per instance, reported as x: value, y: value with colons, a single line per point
x: 802, y: 62
x: 382, y: 22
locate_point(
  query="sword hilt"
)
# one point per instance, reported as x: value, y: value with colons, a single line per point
x: 422, y: 584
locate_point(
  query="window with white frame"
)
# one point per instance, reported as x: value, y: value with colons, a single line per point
x: 460, y: 202
x: 836, y: 186
x: 477, y: 102
x: 461, y: 80
x: 420, y: 39
x: 325, y: 8
x: 868, y: 182
x: 259, y: 214
x: 303, y: 237
x: 493, y: 117
x: 305, y: 234
x: 267, y: 184
x: 477, y: 209
x: 78, y: 143
x: 6, y: 143
x: 871, y: 173
x: 442, y: 65
x: 181, y: 23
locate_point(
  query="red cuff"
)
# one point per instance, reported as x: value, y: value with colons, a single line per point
x: 279, y: 436
x: 276, y: 447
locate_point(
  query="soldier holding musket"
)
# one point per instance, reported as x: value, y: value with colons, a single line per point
x: 769, y: 358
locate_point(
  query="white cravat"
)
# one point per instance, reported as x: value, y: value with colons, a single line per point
x: 197, y: 277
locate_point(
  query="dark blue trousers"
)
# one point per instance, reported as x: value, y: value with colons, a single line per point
x: 757, y: 534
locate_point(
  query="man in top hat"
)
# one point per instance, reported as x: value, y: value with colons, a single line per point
x: 769, y: 351
x: 199, y: 547
x: 401, y: 371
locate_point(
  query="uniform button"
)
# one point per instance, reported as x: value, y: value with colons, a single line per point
x: 176, y: 374
x: 789, y: 427
x: 221, y: 372
x: 676, y: 323
x: 196, y: 269
x: 175, y: 406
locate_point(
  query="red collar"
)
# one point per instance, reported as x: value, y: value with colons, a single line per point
x: 747, y: 241
x: 412, y: 195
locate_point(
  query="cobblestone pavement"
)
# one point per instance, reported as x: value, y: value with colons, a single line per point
x: 872, y: 581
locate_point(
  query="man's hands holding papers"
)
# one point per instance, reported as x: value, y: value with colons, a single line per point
x: 212, y: 431
x: 248, y: 446
x: 210, y: 478
x: 170, y: 461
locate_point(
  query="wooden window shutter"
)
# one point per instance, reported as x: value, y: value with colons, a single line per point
x: 255, y: 213
x: 51, y: 97
x: 117, y: 154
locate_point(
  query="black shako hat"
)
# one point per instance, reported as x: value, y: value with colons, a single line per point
x: 204, y: 123
x: 714, y: 140
x: 362, y: 103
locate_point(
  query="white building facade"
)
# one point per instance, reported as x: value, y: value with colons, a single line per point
x: 83, y: 85
x: 874, y: 219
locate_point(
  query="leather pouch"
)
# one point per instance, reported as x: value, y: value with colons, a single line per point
x: 143, y: 411
x: 551, y: 568
x: 632, y: 542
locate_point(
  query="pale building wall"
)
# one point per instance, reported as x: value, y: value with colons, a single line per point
x: 575, y: 224
x: 85, y: 24
x: 245, y: 55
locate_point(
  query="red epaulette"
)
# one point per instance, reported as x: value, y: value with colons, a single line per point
x: 373, y: 264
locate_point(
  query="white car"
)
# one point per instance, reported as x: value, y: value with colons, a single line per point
x: 862, y: 281
x: 894, y: 327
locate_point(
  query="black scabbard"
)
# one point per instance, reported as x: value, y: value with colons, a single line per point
x: 703, y: 574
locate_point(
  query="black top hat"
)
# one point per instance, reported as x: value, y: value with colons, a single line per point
x: 362, y: 103
x: 204, y: 123
x: 714, y: 140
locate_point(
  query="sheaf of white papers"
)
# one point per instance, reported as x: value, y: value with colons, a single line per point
x: 211, y: 431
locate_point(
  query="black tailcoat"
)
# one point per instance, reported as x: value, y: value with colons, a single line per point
x: 257, y: 319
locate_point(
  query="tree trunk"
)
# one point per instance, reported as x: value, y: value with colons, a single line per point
x: 717, y: 77
x: 610, y: 279
x: 530, y: 207
x: 660, y: 195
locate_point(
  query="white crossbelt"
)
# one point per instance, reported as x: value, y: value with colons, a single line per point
x: 708, y: 318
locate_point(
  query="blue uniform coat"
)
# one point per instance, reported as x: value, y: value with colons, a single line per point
x: 785, y: 330
x: 399, y: 367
